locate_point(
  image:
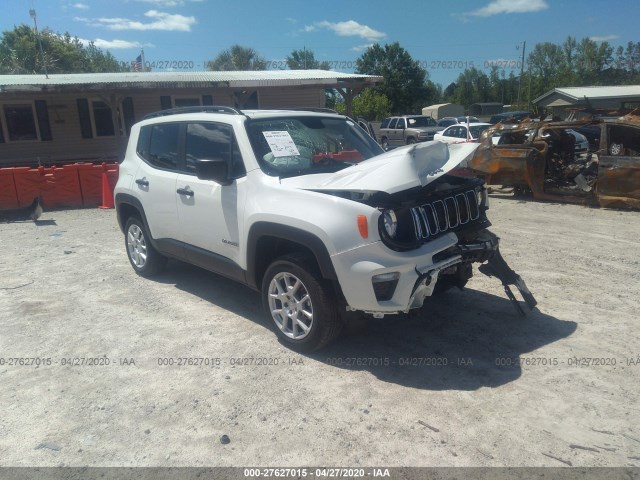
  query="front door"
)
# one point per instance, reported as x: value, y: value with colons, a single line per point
x: 619, y: 166
x: 208, y: 212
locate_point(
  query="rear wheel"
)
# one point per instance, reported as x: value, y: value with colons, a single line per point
x: 385, y: 143
x: 300, y: 305
x: 144, y: 259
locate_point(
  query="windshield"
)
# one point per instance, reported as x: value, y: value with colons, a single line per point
x: 421, y: 122
x: 300, y: 145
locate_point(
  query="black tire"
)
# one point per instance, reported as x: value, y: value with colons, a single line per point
x: 384, y: 143
x: 411, y: 140
x: 137, y: 241
x: 325, y: 323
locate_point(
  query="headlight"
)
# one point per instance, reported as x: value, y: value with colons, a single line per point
x: 390, y: 223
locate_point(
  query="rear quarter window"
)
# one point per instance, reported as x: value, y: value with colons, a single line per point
x: 158, y: 145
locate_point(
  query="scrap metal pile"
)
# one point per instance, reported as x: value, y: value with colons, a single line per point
x: 543, y: 158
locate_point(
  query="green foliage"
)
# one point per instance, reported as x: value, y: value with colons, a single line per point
x: 20, y: 54
x: 405, y: 82
x: 371, y: 105
x: 305, y: 60
x: 237, y: 57
x: 572, y: 64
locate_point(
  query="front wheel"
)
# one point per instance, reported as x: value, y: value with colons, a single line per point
x: 144, y: 259
x: 300, y: 305
x: 411, y: 141
x: 385, y: 143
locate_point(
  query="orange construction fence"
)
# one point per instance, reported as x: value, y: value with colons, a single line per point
x: 74, y: 185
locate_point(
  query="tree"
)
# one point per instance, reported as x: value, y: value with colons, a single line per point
x: 19, y: 53
x: 305, y: 60
x: 404, y: 79
x: 237, y: 57
x: 370, y: 105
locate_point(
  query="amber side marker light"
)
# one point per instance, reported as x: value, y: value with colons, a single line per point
x: 363, y: 226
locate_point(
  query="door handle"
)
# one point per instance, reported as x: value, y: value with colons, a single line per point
x: 185, y: 191
x: 143, y: 182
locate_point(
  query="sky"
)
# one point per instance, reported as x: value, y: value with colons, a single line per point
x: 444, y: 36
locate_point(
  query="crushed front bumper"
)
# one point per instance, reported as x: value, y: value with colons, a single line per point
x: 418, y: 272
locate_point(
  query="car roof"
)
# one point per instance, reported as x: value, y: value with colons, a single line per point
x: 231, y: 115
x: 474, y: 124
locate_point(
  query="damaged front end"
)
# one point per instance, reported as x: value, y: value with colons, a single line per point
x: 450, y: 205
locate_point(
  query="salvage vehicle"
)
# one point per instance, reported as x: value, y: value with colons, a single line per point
x: 306, y: 208
x: 542, y: 159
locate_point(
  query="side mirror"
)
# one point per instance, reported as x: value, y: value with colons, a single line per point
x: 215, y: 169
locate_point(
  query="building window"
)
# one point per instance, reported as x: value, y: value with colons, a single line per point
x: 102, y: 119
x: 21, y: 124
x: 186, y: 102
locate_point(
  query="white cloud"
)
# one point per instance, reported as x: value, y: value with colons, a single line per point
x: 80, y: 6
x: 350, y: 28
x: 159, y: 21
x: 115, y: 43
x: 604, y: 38
x: 497, y: 7
x: 361, y: 48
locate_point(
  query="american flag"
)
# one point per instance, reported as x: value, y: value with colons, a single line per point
x: 136, y: 65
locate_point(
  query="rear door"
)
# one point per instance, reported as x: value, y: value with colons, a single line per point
x: 398, y: 132
x: 208, y: 212
x: 391, y: 131
x: 619, y: 166
x: 155, y: 180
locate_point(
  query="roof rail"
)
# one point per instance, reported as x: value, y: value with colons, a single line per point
x: 200, y: 109
x: 311, y: 109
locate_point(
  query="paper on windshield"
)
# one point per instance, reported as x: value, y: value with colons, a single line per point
x: 281, y: 144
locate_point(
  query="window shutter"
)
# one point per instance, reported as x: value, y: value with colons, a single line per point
x: 85, y: 118
x: 165, y: 102
x: 129, y: 116
x: 42, y: 114
x: 207, y: 100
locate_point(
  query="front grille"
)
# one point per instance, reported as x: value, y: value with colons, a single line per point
x: 440, y: 216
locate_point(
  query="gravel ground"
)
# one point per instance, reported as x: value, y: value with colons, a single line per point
x: 466, y: 382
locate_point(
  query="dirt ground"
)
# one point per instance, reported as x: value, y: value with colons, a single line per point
x: 464, y: 383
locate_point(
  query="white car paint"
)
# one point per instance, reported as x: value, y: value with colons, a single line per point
x: 446, y: 137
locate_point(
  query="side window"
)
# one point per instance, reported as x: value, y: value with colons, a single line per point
x: 209, y: 141
x: 143, y: 142
x: 451, y: 132
x: 401, y: 123
x: 385, y: 123
x: 163, y: 146
x: 393, y: 123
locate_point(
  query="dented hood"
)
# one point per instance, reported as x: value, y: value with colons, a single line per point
x: 394, y: 171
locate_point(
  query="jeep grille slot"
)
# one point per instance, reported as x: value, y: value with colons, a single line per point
x: 440, y: 216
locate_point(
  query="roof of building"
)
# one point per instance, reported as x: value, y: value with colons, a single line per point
x: 237, y: 79
x: 593, y: 93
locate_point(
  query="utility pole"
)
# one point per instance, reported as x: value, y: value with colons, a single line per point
x: 524, y: 46
x: 32, y: 14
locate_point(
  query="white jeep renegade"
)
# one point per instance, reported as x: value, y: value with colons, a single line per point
x: 305, y: 207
